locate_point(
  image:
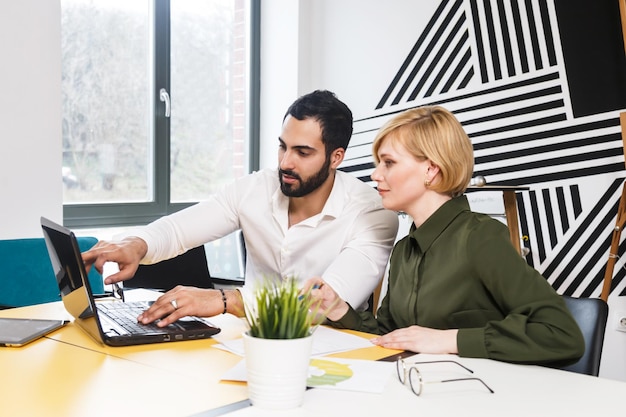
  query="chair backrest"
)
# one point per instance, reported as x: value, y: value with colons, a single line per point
x: 26, y: 275
x: 190, y: 268
x: 591, y: 314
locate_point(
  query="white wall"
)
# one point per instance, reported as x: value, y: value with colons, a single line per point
x: 30, y: 116
x: 281, y: 71
x: 311, y: 44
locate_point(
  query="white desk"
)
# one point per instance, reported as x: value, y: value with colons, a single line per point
x: 529, y: 391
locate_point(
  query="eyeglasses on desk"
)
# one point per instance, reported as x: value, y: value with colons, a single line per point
x: 409, y: 372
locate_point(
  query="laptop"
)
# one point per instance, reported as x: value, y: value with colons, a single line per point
x: 113, y: 323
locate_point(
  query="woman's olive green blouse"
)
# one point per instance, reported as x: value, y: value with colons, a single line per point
x: 459, y: 270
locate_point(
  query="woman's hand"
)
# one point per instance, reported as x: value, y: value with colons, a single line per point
x: 420, y: 339
x: 326, y: 300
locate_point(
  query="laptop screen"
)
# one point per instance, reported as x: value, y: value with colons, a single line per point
x: 70, y: 274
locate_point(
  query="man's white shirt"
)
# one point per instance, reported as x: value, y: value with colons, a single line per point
x: 347, y: 244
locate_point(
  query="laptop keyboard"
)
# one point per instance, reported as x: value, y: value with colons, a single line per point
x: 125, y: 315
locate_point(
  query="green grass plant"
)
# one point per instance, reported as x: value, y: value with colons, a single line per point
x: 279, y: 311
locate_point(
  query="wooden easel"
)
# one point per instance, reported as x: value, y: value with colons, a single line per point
x: 619, y: 225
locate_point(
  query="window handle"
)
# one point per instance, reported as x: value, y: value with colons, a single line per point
x: 165, y: 97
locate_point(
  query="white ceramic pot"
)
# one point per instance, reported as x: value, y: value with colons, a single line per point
x: 277, y: 370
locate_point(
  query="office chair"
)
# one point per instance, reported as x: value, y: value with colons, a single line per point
x: 26, y: 275
x: 591, y: 314
x: 189, y: 268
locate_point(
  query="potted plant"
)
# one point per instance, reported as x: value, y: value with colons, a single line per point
x: 278, y: 344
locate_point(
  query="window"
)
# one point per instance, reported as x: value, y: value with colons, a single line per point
x: 157, y: 98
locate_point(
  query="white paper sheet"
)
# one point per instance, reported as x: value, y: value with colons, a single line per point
x: 336, y: 374
x: 325, y: 340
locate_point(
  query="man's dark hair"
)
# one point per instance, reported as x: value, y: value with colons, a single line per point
x: 334, y: 117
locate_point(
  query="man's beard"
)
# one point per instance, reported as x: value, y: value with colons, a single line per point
x: 306, y: 187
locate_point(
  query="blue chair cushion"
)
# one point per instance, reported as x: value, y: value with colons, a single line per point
x: 26, y: 276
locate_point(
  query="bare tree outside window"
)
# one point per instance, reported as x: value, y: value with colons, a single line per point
x: 108, y: 108
x: 105, y: 92
x: 202, y: 145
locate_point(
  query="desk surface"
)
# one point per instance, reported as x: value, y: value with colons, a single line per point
x: 69, y: 374
x: 528, y: 391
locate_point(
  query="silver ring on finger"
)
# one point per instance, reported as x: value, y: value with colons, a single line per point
x: 174, y: 304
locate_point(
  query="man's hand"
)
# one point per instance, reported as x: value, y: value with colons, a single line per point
x: 191, y: 301
x: 127, y: 253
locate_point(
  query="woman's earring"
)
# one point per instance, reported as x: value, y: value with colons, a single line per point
x: 427, y: 183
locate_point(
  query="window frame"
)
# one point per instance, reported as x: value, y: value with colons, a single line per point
x: 133, y: 213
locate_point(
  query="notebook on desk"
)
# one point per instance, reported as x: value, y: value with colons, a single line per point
x: 110, y: 322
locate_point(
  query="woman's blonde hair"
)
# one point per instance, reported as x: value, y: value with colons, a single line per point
x: 432, y: 132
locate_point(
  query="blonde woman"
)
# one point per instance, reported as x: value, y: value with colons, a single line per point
x: 456, y: 283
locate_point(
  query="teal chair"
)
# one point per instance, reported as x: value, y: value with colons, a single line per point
x: 26, y: 275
